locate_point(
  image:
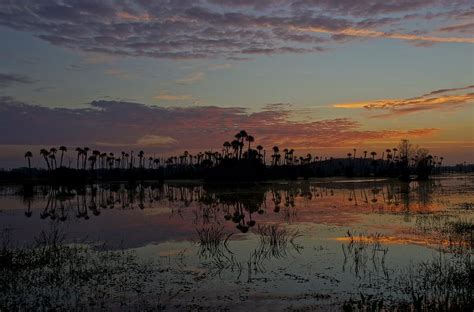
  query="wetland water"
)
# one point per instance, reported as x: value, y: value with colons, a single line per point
x: 323, y: 244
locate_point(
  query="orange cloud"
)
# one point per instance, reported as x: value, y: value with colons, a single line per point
x: 431, y: 101
x: 191, y: 78
x: 165, y: 96
x: 359, y: 32
x: 128, y: 16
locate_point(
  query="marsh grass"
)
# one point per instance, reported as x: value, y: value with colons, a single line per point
x: 443, y: 283
x: 276, y: 239
x: 360, y: 249
x: 212, y: 241
x: 52, y: 275
x: 455, y: 232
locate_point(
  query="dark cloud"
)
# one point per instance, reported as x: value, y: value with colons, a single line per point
x: 214, y: 28
x: 7, y: 80
x: 119, y: 125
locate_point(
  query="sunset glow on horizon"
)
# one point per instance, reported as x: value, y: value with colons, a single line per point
x: 320, y: 77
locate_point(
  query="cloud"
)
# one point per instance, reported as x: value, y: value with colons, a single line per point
x: 368, y: 33
x: 191, y: 78
x: 117, y: 73
x: 7, y: 80
x: 230, y: 29
x: 467, y: 28
x: 434, y: 100
x: 148, y: 140
x: 166, y: 96
x: 219, y: 66
x: 119, y: 125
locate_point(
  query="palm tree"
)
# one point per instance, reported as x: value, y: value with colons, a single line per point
x: 140, y: 159
x: 63, y: 149
x: 28, y: 155
x: 241, y: 136
x: 92, y: 159
x: 85, y: 150
x: 227, y: 146
x: 275, y: 156
x: 235, y: 146
x: 355, y: 150
x: 259, y: 149
x: 103, y: 159
x: 53, y: 151
x: 53, y: 160
x: 249, y: 139
x: 44, y: 152
x: 79, y: 153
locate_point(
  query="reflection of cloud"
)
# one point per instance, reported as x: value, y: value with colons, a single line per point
x: 195, y: 128
x: 230, y: 29
x: 435, y: 100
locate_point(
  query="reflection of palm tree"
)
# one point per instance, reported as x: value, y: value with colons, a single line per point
x: 28, y: 155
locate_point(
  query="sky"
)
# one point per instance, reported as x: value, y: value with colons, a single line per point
x: 319, y: 76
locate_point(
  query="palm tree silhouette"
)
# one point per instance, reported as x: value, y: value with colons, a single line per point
x: 53, y: 161
x: 227, y: 146
x: 85, y: 150
x: 79, y: 153
x: 53, y: 151
x: 276, y: 155
x: 259, y: 149
x: 28, y: 155
x: 63, y: 149
x: 241, y: 136
x: 141, y: 154
x: 249, y: 139
x: 44, y: 152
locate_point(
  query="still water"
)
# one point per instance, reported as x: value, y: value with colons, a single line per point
x: 323, y: 244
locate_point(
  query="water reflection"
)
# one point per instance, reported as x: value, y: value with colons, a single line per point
x: 237, y: 205
x: 302, y: 239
